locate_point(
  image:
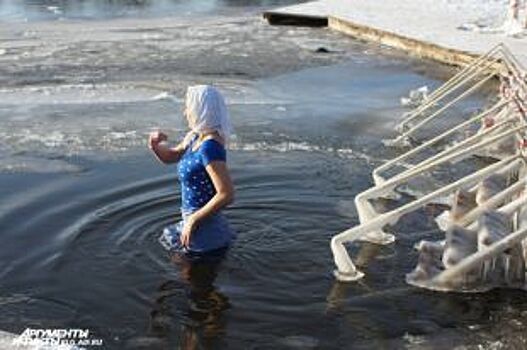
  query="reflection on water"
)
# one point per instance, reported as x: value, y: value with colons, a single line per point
x: 100, y: 9
x: 201, y: 324
x: 91, y: 259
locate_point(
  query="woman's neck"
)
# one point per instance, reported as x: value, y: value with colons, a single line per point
x: 203, y: 136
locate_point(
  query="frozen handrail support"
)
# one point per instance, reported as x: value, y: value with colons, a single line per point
x: 502, y: 136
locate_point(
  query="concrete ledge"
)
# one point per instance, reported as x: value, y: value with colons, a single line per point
x: 290, y: 19
x: 425, y: 28
x: 414, y: 47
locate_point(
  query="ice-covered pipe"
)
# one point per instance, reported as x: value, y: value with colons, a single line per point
x: 346, y: 270
x: 468, y: 144
x: 367, y: 212
x: 376, y: 172
x: 482, y: 63
x: 404, y: 125
x: 401, y: 138
x: 475, y: 260
x: 497, y: 199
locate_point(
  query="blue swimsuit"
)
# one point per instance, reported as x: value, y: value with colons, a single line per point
x: 197, y: 189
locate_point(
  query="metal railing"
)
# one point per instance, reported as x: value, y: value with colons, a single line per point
x: 508, y: 123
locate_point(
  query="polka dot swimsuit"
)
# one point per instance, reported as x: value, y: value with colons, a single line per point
x: 213, y: 232
x: 196, y: 186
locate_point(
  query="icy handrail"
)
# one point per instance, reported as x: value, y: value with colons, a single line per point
x: 508, y: 65
x: 366, y: 210
x: 470, y: 142
x: 511, y: 69
x: 403, y: 125
x: 452, y: 84
x: 449, y: 155
x: 493, y: 202
x: 505, y: 62
x: 493, y: 250
x: 501, y: 57
x: 457, y: 81
x: 396, y: 161
x: 400, y: 139
x: 513, y: 90
x: 346, y: 270
x: 514, y: 66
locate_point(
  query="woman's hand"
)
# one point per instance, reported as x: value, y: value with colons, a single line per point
x: 188, y: 229
x: 163, y: 152
x: 155, y: 138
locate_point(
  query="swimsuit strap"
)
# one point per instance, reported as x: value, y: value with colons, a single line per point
x: 192, y: 141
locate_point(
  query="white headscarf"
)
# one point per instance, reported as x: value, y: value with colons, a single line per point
x: 208, y: 110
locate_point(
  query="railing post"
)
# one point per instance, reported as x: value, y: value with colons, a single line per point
x: 514, y: 10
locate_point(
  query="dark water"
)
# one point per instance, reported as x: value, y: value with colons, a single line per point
x: 82, y: 202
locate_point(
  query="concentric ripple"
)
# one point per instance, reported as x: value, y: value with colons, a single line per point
x: 99, y: 238
x: 91, y: 257
x: 82, y: 204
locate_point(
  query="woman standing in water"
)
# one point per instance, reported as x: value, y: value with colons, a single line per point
x: 206, y: 186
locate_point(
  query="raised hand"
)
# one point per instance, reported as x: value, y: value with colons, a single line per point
x: 155, y: 138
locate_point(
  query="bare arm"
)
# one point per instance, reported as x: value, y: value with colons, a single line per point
x: 219, y: 174
x: 164, y: 153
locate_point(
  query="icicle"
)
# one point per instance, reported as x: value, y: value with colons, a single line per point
x: 492, y: 226
x: 429, y: 263
x: 464, y: 201
x: 460, y: 243
x: 489, y: 187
